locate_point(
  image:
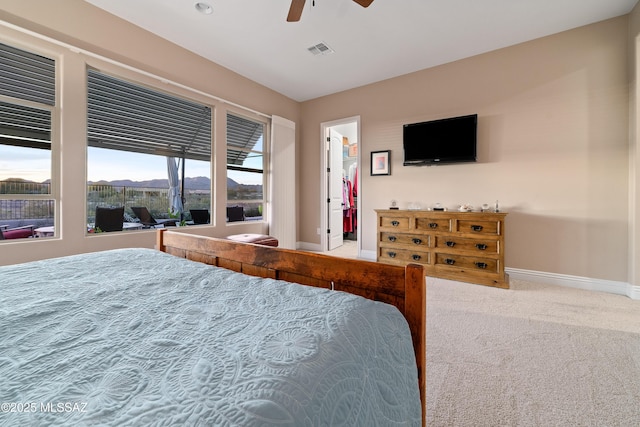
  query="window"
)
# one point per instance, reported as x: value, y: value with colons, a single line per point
x: 245, y: 169
x: 27, y: 105
x: 146, y: 148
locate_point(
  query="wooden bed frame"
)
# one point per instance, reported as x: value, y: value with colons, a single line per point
x: 403, y: 287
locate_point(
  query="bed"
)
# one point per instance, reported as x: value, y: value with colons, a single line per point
x: 167, y: 337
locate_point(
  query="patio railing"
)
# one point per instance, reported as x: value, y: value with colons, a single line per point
x: 18, y: 212
x: 24, y: 187
x: 156, y: 200
x: 26, y: 212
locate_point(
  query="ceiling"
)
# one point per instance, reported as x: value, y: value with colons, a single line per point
x: 385, y: 40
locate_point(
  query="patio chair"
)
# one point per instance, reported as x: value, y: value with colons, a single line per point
x: 148, y: 220
x: 200, y: 216
x: 109, y: 219
x: 23, y: 232
x: 235, y: 213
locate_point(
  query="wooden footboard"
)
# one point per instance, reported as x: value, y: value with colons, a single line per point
x: 403, y: 287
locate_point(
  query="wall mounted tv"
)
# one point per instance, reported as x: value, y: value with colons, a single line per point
x: 451, y: 140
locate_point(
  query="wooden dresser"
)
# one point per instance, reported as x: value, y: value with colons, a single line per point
x: 464, y: 246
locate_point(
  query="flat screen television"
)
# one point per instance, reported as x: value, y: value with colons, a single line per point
x: 451, y: 140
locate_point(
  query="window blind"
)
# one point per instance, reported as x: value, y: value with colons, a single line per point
x: 242, y: 136
x: 131, y: 117
x: 25, y: 75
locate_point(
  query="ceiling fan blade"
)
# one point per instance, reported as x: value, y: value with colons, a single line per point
x: 295, y: 11
x: 364, y: 3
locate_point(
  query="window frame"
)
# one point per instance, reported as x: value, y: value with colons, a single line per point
x: 138, y: 78
x: 55, y: 131
x: 265, y: 153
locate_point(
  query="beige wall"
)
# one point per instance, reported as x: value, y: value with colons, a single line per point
x: 106, y: 40
x: 552, y: 147
x: 553, y: 136
x: 634, y: 152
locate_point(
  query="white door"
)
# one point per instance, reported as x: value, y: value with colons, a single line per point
x: 335, y: 189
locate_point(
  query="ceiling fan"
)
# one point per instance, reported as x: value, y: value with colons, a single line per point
x: 295, y: 11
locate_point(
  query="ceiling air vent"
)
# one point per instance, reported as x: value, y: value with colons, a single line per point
x: 320, y: 49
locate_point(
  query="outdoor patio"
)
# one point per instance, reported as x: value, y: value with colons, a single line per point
x: 40, y: 213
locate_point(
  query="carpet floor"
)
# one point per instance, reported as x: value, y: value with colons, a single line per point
x: 533, y: 355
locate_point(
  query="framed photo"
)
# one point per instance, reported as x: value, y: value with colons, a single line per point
x: 380, y: 162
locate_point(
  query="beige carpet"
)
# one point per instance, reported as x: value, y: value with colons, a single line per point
x: 533, y: 355
x: 348, y: 249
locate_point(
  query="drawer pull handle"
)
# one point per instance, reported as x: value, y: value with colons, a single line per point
x: 417, y: 241
x: 395, y: 223
x: 481, y: 246
x: 416, y: 257
x: 450, y: 261
x: 451, y: 244
x: 476, y: 227
x: 392, y: 238
x: 433, y: 225
x: 481, y: 264
x: 391, y: 254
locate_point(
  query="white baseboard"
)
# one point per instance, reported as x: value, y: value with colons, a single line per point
x: 578, y: 282
x: 368, y: 255
x: 306, y: 246
x: 316, y: 247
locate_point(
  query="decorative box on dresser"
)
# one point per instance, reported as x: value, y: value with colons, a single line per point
x: 464, y: 246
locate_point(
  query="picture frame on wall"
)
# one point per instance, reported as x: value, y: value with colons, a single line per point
x: 380, y: 162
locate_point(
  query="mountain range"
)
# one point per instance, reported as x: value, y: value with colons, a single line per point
x: 196, y: 183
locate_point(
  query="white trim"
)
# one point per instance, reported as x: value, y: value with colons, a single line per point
x: 306, y: 246
x: 282, y: 175
x: 578, y: 282
x: 324, y: 126
x: 370, y: 255
x: 317, y: 247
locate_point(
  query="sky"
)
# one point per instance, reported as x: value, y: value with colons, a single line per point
x: 103, y: 165
x: 30, y: 164
x: 110, y: 165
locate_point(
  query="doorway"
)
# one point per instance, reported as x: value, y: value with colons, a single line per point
x: 340, y: 234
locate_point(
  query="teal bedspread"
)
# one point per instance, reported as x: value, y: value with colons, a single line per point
x: 135, y: 337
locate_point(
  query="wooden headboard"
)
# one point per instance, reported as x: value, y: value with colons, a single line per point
x: 403, y: 287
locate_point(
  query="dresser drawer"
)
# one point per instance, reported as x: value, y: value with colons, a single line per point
x: 478, y: 227
x: 481, y: 246
x: 466, y: 263
x: 396, y: 222
x: 402, y: 255
x: 433, y: 224
x: 464, y: 246
x: 403, y: 239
